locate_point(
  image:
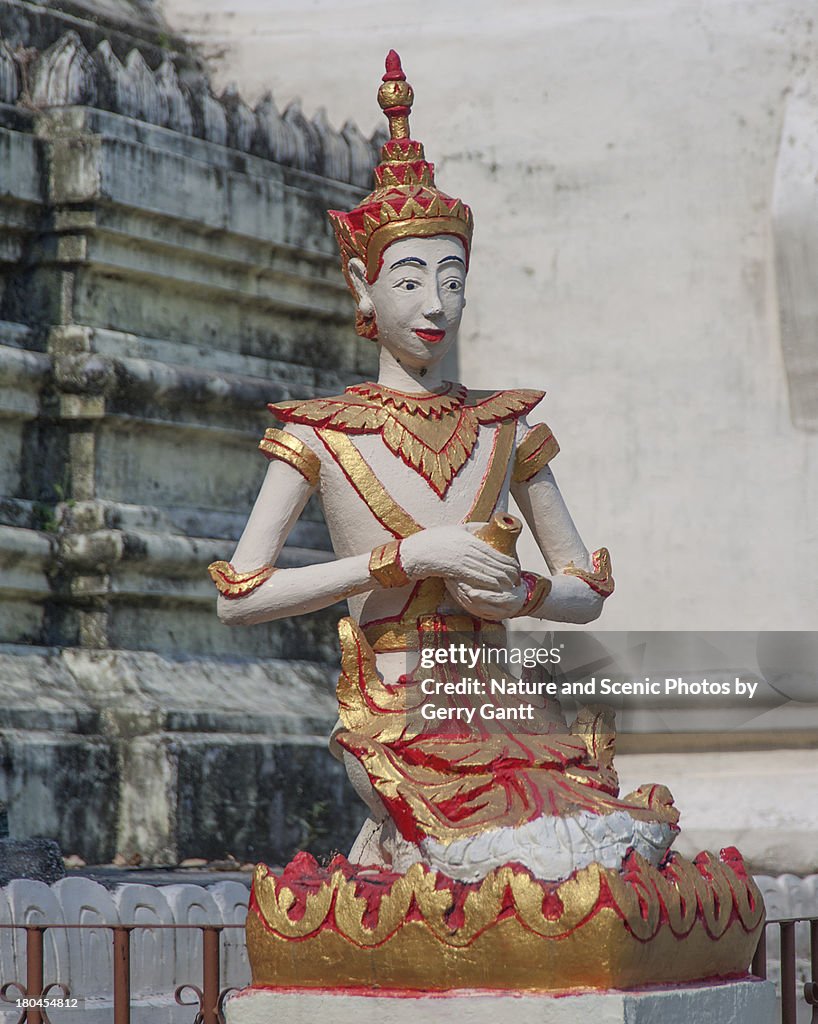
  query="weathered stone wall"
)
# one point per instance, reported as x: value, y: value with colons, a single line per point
x: 166, y: 268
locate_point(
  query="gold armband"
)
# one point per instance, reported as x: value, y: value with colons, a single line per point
x: 279, y: 444
x: 537, y: 449
x: 385, y: 565
x: 538, y: 588
x: 600, y: 579
x: 230, y: 583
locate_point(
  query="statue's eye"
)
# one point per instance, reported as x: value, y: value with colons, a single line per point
x: 407, y: 284
x: 453, y: 286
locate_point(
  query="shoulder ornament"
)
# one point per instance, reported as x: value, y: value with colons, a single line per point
x: 537, y: 449
x: 279, y: 444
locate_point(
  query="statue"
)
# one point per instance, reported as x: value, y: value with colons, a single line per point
x: 483, y: 842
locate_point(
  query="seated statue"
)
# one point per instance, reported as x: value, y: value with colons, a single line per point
x: 499, y: 853
x: 414, y: 474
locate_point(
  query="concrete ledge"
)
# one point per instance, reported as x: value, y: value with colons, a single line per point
x: 740, y: 1002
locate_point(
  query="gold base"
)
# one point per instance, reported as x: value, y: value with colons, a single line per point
x: 599, y: 929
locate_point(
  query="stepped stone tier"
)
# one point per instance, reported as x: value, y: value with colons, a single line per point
x: 166, y: 269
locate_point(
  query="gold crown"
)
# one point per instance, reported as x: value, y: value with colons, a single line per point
x: 405, y: 202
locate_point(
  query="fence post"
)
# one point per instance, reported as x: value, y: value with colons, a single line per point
x: 34, y: 970
x: 211, y: 981
x: 811, y: 988
x: 788, y: 997
x: 122, y: 975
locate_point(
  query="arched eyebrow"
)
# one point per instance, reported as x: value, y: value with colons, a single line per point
x: 415, y: 261
x: 451, y: 259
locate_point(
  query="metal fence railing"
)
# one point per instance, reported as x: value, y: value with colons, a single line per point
x: 33, y: 995
x: 788, y: 978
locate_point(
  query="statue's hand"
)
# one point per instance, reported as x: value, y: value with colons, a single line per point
x: 489, y: 604
x: 455, y: 553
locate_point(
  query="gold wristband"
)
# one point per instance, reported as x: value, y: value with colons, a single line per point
x: 385, y: 565
x: 231, y: 583
x: 538, y: 587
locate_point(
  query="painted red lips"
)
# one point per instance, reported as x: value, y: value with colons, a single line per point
x: 432, y: 337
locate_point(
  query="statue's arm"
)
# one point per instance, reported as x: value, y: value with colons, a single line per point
x: 293, y: 591
x: 571, y: 598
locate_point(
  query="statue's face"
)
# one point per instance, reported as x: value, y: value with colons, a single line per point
x: 418, y: 298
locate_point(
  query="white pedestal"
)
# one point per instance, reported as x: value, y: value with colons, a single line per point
x: 739, y: 1002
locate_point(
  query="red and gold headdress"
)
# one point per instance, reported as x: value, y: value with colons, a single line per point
x: 405, y: 202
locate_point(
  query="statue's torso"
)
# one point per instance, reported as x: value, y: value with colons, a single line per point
x: 390, y: 469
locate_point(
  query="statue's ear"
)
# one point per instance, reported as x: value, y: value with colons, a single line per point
x: 357, y: 274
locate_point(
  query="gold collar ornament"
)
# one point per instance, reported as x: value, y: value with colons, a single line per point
x: 434, y: 434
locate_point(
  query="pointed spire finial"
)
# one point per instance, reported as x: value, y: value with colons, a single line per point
x: 395, y: 97
x: 394, y: 72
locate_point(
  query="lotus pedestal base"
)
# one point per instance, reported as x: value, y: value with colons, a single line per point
x: 347, y: 927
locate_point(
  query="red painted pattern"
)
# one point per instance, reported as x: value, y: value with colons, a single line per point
x: 304, y: 877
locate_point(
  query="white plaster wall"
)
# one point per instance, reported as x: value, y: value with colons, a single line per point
x: 619, y: 157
